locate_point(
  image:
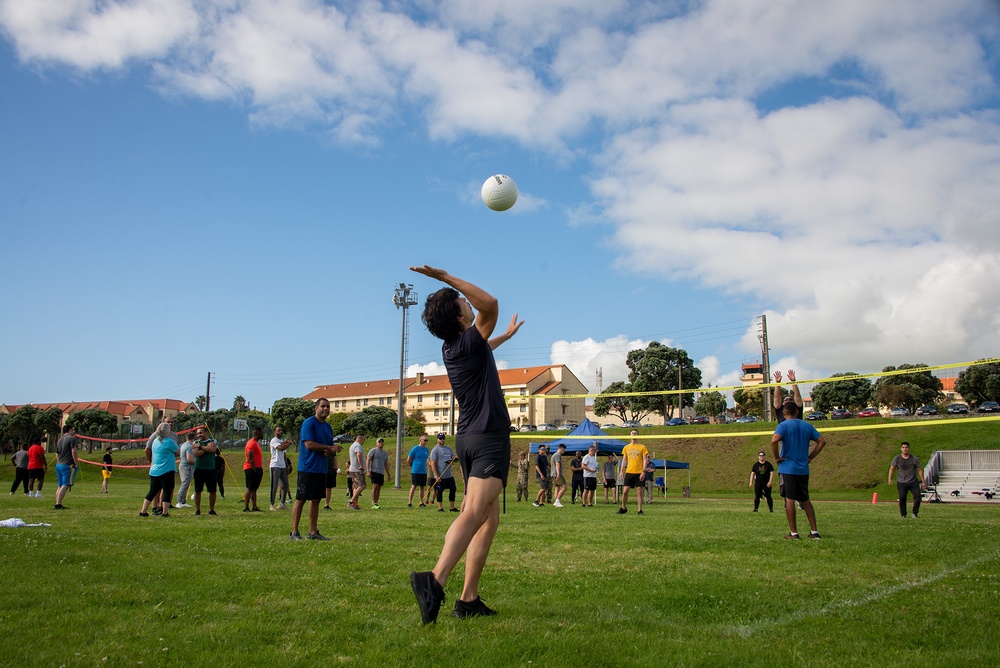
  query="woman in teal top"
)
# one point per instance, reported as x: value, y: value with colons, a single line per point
x: 161, y: 472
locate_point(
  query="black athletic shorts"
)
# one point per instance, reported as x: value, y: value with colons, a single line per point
x: 36, y: 474
x: 795, y: 487
x: 632, y: 480
x: 609, y: 483
x: 590, y: 483
x: 253, y: 477
x: 484, y: 455
x: 542, y: 482
x: 205, y: 478
x: 378, y: 478
x: 331, y: 479
x: 311, y: 486
x: 419, y: 479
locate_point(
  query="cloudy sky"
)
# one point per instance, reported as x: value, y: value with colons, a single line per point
x: 237, y: 187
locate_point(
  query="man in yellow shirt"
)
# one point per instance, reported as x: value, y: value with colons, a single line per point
x: 635, y: 457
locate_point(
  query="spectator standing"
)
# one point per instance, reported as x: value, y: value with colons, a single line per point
x: 253, y: 470
x: 417, y: 461
x: 106, y: 469
x: 542, y: 475
x: 440, y: 462
x: 357, y: 469
x: 761, y: 479
x: 610, y: 484
x: 186, y: 469
x: 67, y: 460
x: 576, y: 467
x: 906, y: 480
x: 590, y: 467
x: 37, y: 466
x: 20, y: 462
x: 279, y: 474
x: 204, y: 450
x: 161, y: 471
x: 523, y: 464
x: 220, y: 472
x: 558, y: 477
x: 315, y: 445
x: 377, y: 458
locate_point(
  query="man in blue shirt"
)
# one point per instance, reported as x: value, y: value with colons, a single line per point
x: 315, y: 445
x: 795, y: 437
x: 417, y: 459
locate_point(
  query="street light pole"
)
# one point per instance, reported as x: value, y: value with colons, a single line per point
x: 403, y: 298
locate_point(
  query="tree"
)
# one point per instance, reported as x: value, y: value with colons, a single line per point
x: 979, y: 383
x: 240, y: 404
x: 254, y: 419
x: 5, y: 444
x: 609, y: 402
x: 710, y: 403
x: 93, y: 422
x: 415, y: 423
x: 911, y: 390
x: 749, y: 401
x: 371, y: 421
x: 28, y: 421
x: 655, y: 369
x: 853, y: 394
x: 290, y: 413
x: 201, y: 401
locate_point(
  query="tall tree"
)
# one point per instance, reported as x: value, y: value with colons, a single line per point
x: 749, y: 401
x: 28, y: 421
x: 853, y: 394
x: 201, y: 401
x: 240, y: 404
x: 979, y: 383
x: 910, y: 390
x: 371, y: 421
x: 255, y: 419
x: 655, y: 369
x: 289, y: 414
x: 611, y: 402
x: 93, y: 422
x: 710, y: 403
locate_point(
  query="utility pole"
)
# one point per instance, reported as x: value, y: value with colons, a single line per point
x: 208, y: 393
x: 765, y: 359
x: 403, y: 298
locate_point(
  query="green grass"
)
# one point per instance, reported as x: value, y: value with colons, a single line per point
x: 692, y: 583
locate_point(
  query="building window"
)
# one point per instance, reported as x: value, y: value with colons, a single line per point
x: 420, y: 398
x: 444, y: 411
x: 357, y: 402
x: 437, y: 397
x: 524, y: 408
x: 447, y: 396
x: 437, y: 412
x: 366, y: 402
x: 524, y: 391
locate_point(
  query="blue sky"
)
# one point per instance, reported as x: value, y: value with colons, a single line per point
x: 237, y: 187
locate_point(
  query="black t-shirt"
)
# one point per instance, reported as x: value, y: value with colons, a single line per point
x: 781, y: 411
x: 763, y: 473
x: 542, y: 462
x: 473, y: 375
x: 576, y: 463
x: 107, y: 461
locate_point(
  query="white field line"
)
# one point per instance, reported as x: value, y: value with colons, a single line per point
x: 747, y: 630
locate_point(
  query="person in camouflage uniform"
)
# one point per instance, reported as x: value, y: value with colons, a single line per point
x: 523, y: 465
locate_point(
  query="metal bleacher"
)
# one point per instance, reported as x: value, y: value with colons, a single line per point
x: 964, y: 476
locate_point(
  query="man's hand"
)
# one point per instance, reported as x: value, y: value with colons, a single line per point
x: 777, y: 376
x: 431, y: 272
x: 791, y: 375
x: 513, y: 326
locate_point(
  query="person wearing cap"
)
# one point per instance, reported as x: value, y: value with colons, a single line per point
x: 377, y: 458
x: 357, y: 469
x: 761, y: 479
x: 482, y: 437
x: 542, y: 474
x: 794, y: 398
x: 590, y: 466
x: 523, y: 464
x: 558, y: 478
x: 440, y: 464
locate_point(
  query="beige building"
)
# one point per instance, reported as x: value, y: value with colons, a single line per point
x: 535, y: 395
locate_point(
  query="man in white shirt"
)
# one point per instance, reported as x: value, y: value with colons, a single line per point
x: 357, y: 470
x: 279, y: 474
x: 590, y: 467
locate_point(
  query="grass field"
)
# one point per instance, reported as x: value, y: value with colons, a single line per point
x: 694, y: 582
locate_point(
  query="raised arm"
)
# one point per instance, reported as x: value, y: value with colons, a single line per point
x: 512, y: 328
x: 486, y: 305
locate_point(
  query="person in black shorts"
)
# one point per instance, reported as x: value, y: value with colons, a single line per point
x: 204, y: 451
x: 542, y: 475
x: 482, y: 443
x: 315, y: 446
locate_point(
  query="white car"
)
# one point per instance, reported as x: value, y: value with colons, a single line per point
x: 899, y: 411
x: 545, y: 426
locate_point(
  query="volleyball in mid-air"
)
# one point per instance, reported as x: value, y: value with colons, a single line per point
x: 499, y: 192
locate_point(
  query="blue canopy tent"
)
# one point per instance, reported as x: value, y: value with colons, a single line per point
x: 661, y: 481
x: 587, y: 433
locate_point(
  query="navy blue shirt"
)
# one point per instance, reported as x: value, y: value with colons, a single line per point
x: 473, y: 375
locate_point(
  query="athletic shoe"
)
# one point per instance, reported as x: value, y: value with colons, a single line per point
x: 165, y: 515
x: 455, y: 510
x: 914, y: 516
x: 639, y: 513
x: 271, y: 507
x: 246, y: 510
x: 282, y: 506
x: 474, y: 608
x: 622, y: 511
x: 410, y: 505
x: 792, y: 536
x: 38, y: 495
x: 316, y: 536
x: 143, y: 514
x: 814, y: 535
x: 536, y: 504
x: 191, y: 498
x: 157, y: 511
x: 295, y: 535
x: 60, y: 506
x: 329, y: 508
x: 423, y: 505
x: 440, y: 510
x: 755, y: 510
x: 185, y: 505
x: 557, y: 503
x: 429, y: 594
x: 351, y: 506
x: 197, y: 512
x: 255, y: 509
x: 376, y: 506
x: 902, y: 517
x: 212, y: 512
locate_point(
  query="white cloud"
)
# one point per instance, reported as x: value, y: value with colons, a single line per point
x: 429, y: 369
x: 585, y: 357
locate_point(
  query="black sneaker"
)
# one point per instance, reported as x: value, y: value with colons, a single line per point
x: 212, y: 512
x: 157, y: 511
x: 474, y: 608
x: 295, y: 535
x: 639, y: 513
x: 792, y: 536
x: 143, y: 514
x: 59, y: 506
x: 329, y: 508
x: 429, y: 594
x: 255, y: 509
x: 246, y: 510
x: 197, y: 512
x: 814, y: 535
x: 316, y: 536
x: 409, y: 505
x: 440, y: 510
x: 455, y: 510
x: 622, y: 511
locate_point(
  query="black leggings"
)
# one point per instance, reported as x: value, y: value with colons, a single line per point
x: 20, y: 478
x: 443, y: 484
x: 164, y: 483
x: 759, y: 491
x: 220, y: 477
x: 577, y: 485
x: 913, y: 488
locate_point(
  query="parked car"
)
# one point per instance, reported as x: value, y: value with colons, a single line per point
x: 569, y: 426
x: 816, y: 415
x: 631, y: 424
x: 528, y: 427
x: 343, y: 438
x: 747, y: 419
x: 610, y: 425
x: 675, y: 422
x: 927, y: 410
x: 722, y: 418
x: 868, y: 412
x: 899, y: 411
x: 958, y: 408
x: 700, y: 419
x: 546, y: 426
x: 989, y: 407
x: 841, y: 414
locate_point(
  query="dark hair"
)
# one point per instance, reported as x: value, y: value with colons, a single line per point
x: 36, y: 440
x: 789, y: 408
x: 441, y: 311
x: 67, y: 429
x: 258, y: 432
x: 906, y: 443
